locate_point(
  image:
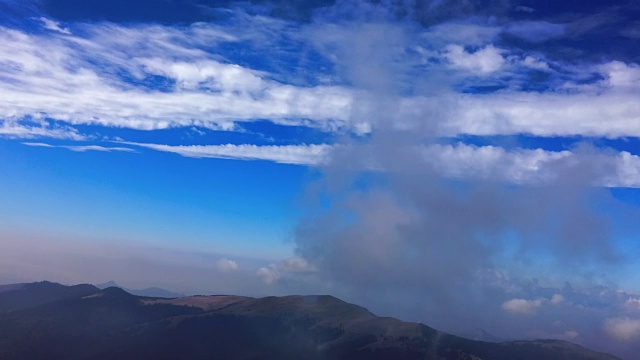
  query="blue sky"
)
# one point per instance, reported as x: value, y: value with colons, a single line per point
x: 450, y: 162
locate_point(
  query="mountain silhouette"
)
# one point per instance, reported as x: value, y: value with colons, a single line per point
x: 150, y: 291
x: 84, y: 322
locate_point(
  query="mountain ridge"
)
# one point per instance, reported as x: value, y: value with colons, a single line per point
x: 112, y: 323
x: 150, y: 291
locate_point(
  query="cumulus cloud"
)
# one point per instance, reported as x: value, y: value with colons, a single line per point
x: 571, y: 335
x: 522, y: 306
x: 619, y: 74
x: 623, y: 329
x: 269, y: 274
x: 287, y: 268
x: 226, y: 265
x: 297, y: 265
x: 425, y: 217
x: 484, y: 61
x: 533, y: 63
x: 631, y: 306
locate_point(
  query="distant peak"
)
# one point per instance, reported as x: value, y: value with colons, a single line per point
x: 115, y: 291
x: 108, y: 284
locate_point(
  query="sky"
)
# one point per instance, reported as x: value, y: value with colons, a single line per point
x: 465, y: 164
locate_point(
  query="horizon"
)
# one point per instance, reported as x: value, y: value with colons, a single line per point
x: 457, y: 164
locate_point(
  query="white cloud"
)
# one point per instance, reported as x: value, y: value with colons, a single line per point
x: 269, y: 275
x: 286, y: 154
x: 80, y: 82
x: 557, y: 299
x: 489, y: 162
x: 226, y: 265
x: 14, y: 129
x: 486, y: 60
x: 207, y: 74
x: 607, y: 113
x: 533, y: 63
x: 516, y: 166
x: 623, y: 329
x: 101, y: 78
x: 96, y: 148
x: 297, y: 265
x: 80, y: 148
x: 522, y: 306
x: 54, y: 26
x: 619, y: 74
x: 534, y: 167
x: 37, y: 144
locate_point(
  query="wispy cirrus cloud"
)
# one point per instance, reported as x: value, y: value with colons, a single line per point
x: 285, y: 154
x: 20, y: 130
x: 154, y: 77
x: 80, y: 148
x: 515, y: 166
x: 103, y: 78
x: 54, y: 26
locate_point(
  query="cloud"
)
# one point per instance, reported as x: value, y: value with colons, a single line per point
x: 623, y: 329
x: 619, y: 74
x: 425, y: 217
x: 533, y: 63
x: 535, y: 31
x: 515, y: 166
x: 14, y: 129
x: 544, y: 114
x: 226, y: 265
x: 462, y: 33
x: 484, y: 61
x: 297, y: 265
x: 123, y: 77
x: 522, y: 306
x: 571, y: 335
x: 80, y: 148
x: 80, y: 81
x: 54, y: 26
x: 268, y: 275
x: 557, y: 299
x: 533, y: 167
x: 285, y: 154
x: 633, y: 303
x: 287, y: 268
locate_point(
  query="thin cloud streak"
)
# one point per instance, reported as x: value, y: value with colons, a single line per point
x: 80, y: 148
x: 285, y: 154
x: 457, y: 161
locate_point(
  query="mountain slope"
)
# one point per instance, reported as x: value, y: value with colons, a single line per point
x: 150, y: 291
x: 113, y: 324
x: 22, y: 296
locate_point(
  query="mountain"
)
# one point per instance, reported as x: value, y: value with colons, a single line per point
x: 151, y: 291
x: 114, y: 324
x: 22, y: 296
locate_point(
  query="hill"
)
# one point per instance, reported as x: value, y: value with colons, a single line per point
x: 88, y: 323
